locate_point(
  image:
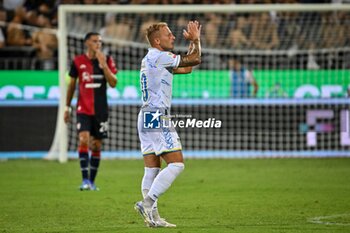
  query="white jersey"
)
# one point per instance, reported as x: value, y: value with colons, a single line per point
x: 156, y: 78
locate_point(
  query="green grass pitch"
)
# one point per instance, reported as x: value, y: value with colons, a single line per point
x: 238, y: 195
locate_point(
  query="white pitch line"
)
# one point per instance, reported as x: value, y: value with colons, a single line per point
x: 325, y: 220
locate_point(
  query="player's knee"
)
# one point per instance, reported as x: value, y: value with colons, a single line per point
x: 83, y: 141
x: 176, y: 168
x: 96, y: 145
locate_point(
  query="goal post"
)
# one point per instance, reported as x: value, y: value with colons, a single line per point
x: 302, y: 101
x: 58, y: 149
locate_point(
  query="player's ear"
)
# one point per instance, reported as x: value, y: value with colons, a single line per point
x: 156, y: 41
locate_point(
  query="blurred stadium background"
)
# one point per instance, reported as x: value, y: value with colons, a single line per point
x: 300, y: 61
x: 299, y: 55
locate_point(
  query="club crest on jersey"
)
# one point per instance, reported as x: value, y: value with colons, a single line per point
x: 82, y: 66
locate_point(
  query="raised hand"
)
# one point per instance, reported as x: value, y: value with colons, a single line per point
x: 101, y: 58
x: 193, y: 31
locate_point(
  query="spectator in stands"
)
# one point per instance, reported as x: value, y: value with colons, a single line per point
x: 313, y: 1
x: 16, y: 36
x: 227, y: 2
x: 82, y: 23
x: 239, y: 37
x: 289, y: 31
x: 340, y: 1
x: 211, y: 29
x: 346, y: 19
x: 45, y: 42
x: 264, y: 33
x: 68, y: 2
x: 286, y: 1
x: 246, y: 1
x: 11, y: 5
x: 2, y: 39
x: 8, y: 8
x: 310, y: 37
x: 182, y: 2
x: 35, y: 7
x: 48, y: 10
x: 148, y: 20
x: 242, y: 79
x: 89, y: 2
x: 333, y: 31
x: 117, y: 29
x: 32, y: 5
x: 211, y: 39
x: 181, y: 24
x: 102, y: 2
x: 3, y: 15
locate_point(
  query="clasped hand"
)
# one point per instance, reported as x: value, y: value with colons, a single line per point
x: 193, y: 31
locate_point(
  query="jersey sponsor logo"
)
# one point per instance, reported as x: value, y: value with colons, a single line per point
x: 87, y: 77
x: 93, y: 85
x: 97, y: 76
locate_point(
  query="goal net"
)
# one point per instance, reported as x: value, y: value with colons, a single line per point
x: 277, y: 77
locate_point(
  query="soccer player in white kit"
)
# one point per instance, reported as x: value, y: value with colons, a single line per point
x: 156, y: 75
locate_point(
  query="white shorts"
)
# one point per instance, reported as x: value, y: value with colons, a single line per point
x: 157, y: 141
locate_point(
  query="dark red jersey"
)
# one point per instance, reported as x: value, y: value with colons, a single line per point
x: 92, y: 98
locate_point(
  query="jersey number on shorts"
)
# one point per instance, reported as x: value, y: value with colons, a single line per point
x: 104, y: 127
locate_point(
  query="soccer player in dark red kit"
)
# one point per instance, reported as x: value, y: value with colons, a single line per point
x: 94, y: 70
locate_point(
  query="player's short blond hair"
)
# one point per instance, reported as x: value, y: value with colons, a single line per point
x: 153, y: 30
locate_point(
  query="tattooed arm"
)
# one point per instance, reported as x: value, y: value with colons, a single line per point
x: 193, y: 56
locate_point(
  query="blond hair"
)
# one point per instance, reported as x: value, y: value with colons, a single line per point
x: 153, y: 30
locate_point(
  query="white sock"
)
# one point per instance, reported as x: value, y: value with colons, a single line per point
x: 155, y: 212
x: 148, y: 178
x: 164, y: 179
